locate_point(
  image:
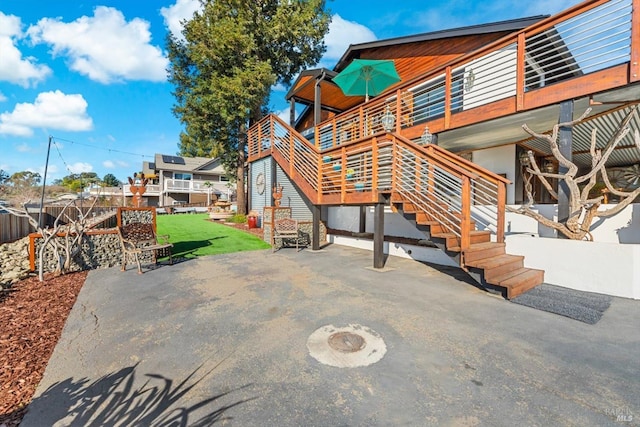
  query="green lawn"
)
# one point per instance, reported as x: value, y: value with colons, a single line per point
x: 195, y: 235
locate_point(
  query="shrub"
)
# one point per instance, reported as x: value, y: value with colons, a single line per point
x: 238, y: 219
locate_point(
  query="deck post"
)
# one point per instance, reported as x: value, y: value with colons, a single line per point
x: 315, y: 237
x: 378, y: 236
x: 362, y: 228
x: 565, y: 146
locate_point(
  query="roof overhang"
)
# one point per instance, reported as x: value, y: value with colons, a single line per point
x: 332, y: 98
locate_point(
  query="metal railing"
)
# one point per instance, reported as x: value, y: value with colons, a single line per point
x: 587, y: 38
x: 445, y: 187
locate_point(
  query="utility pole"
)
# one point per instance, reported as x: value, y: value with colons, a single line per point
x: 44, y: 182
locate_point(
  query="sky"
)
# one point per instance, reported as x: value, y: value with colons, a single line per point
x: 91, y: 75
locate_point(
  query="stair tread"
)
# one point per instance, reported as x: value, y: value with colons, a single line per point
x: 484, y: 246
x: 472, y: 232
x: 501, y: 278
x: 496, y: 261
x: 518, y: 279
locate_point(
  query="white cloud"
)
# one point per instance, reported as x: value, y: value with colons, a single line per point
x: 2, y: 97
x: 181, y: 10
x: 23, y: 148
x: 111, y: 138
x: 109, y: 164
x: 51, y: 110
x: 80, y: 167
x: 105, y: 47
x: 341, y: 34
x: 13, y: 67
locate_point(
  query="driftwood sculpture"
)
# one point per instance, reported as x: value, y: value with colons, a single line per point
x: 64, y: 240
x: 582, y: 209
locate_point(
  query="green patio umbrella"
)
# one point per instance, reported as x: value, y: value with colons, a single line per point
x: 367, y: 77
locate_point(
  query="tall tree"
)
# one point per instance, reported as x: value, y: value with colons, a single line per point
x: 25, y: 179
x: 110, y: 180
x: 232, y: 53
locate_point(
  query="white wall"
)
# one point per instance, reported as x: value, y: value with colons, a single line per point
x: 499, y: 160
x: 623, y: 227
x: 605, y: 268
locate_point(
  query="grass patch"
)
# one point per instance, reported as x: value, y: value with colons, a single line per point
x: 194, y: 235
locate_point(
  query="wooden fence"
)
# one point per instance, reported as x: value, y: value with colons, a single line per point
x: 13, y: 228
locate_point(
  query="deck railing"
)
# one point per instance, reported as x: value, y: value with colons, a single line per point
x: 440, y: 184
x: 593, y: 37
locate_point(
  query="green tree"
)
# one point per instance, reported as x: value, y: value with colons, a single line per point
x: 24, y: 179
x: 77, y: 181
x: 110, y: 180
x: 233, y: 52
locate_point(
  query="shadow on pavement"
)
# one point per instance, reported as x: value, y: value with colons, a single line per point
x: 115, y: 400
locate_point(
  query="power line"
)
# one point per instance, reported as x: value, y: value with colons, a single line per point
x: 111, y: 150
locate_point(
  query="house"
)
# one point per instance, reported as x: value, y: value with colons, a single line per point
x: 440, y: 153
x: 177, y: 180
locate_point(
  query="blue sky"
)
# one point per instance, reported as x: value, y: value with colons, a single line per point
x: 92, y: 73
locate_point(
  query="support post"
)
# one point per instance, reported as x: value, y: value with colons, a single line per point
x: 317, y: 103
x: 378, y: 236
x: 565, y: 146
x: 363, y: 220
x: 315, y: 238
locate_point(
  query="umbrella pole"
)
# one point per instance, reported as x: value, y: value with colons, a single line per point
x: 366, y: 90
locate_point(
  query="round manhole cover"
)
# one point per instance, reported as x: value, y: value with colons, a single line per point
x: 346, y: 342
x: 346, y: 347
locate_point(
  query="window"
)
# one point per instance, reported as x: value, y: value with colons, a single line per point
x: 182, y: 175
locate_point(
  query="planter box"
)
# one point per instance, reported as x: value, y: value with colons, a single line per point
x: 216, y: 216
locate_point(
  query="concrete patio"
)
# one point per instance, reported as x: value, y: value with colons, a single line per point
x: 224, y: 339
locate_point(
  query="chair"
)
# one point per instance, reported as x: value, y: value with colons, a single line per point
x: 139, y: 238
x: 286, y: 229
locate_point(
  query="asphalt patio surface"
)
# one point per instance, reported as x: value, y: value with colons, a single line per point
x: 223, y: 339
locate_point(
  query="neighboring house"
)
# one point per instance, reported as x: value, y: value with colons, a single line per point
x: 177, y: 180
x: 465, y: 91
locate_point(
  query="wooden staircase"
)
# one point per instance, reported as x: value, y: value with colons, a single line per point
x: 484, y: 260
x: 439, y: 192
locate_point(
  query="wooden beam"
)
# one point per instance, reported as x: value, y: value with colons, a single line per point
x: 378, y: 236
x: 315, y: 238
x: 634, y: 71
x: 565, y: 145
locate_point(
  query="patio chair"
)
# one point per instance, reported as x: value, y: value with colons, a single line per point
x: 286, y: 229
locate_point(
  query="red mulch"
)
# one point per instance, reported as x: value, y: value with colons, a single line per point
x: 243, y: 227
x: 32, y: 316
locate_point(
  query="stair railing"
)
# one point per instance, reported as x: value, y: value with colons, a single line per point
x: 442, y: 186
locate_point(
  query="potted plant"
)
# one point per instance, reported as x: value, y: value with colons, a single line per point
x: 349, y: 173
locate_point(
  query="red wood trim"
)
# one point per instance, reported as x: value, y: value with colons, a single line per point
x: 360, y: 197
x: 634, y: 71
x: 292, y: 159
x: 32, y: 250
x: 374, y: 168
x: 502, y: 201
x: 494, y: 110
x: 334, y: 134
x: 398, y: 112
x: 343, y: 174
x: 591, y: 83
x: 319, y: 193
x: 447, y: 98
x: 520, y: 59
x: 465, y: 221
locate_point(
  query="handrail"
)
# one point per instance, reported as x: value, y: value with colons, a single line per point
x: 444, y: 186
x: 511, y: 67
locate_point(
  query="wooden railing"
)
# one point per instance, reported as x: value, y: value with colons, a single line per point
x: 438, y: 183
x: 588, y: 48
